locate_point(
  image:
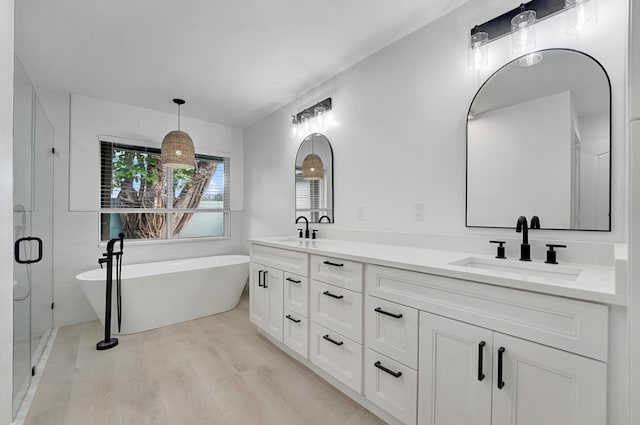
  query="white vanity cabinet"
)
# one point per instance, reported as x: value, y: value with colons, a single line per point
x: 419, y: 348
x: 265, y: 299
x: 464, y: 367
x: 335, y: 305
x: 278, y: 287
x: 460, y: 365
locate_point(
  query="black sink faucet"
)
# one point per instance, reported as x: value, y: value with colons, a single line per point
x: 323, y: 217
x: 306, y: 232
x: 522, y: 227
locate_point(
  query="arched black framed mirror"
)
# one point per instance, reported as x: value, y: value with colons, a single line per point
x: 539, y: 143
x: 314, y: 179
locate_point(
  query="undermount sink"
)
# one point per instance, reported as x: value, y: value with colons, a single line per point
x: 520, y: 268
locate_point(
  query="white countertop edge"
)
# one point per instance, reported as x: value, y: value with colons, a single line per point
x: 568, y: 290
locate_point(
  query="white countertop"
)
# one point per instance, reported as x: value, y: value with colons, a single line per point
x: 594, y: 283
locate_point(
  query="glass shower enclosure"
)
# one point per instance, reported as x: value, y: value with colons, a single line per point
x: 33, y: 141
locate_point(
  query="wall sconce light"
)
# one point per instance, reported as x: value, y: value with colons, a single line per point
x: 314, y: 118
x: 520, y: 23
x: 478, y: 55
x: 582, y: 15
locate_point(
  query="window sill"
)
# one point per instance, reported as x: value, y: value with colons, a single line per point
x: 141, y: 242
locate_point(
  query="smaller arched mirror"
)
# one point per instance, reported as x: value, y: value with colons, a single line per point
x: 314, y: 179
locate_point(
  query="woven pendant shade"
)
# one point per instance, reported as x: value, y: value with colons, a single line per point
x: 312, y: 167
x: 178, y: 150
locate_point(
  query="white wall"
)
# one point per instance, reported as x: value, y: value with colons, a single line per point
x: 6, y: 210
x: 503, y: 143
x: 401, y: 133
x: 77, y: 232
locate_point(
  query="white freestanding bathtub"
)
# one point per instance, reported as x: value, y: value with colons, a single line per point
x: 168, y: 292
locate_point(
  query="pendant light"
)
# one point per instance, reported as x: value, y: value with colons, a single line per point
x: 312, y: 166
x: 177, y: 147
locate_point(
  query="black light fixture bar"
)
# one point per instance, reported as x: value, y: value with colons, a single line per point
x: 501, y: 25
x: 310, y: 110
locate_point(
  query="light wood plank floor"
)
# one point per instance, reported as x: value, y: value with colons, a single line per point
x: 214, y: 370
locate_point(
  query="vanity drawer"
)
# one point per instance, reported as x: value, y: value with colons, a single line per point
x: 335, y: 271
x: 337, y: 308
x: 340, y: 357
x: 391, y: 386
x: 296, y: 293
x: 577, y: 326
x: 392, y: 329
x: 283, y: 259
x: 296, y: 332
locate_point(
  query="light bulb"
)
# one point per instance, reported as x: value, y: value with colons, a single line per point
x: 305, y: 121
x: 294, y: 126
x: 477, y: 55
x: 582, y: 15
x: 320, y: 112
x: 523, y: 35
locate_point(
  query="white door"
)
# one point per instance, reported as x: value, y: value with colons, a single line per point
x: 544, y: 386
x: 273, y: 286
x: 258, y: 297
x: 455, y: 372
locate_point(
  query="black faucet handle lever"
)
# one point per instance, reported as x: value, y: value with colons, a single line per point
x: 299, y: 233
x: 500, y: 251
x: 551, y: 254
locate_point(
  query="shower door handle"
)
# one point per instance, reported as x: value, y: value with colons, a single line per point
x: 16, y: 250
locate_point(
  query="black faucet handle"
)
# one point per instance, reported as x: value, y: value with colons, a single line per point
x: 500, y: 251
x: 314, y: 234
x: 299, y: 233
x: 551, y: 253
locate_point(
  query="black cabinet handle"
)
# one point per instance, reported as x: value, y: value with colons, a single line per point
x: 389, y: 371
x: 293, y: 280
x: 260, y: 278
x: 328, y: 338
x: 16, y: 250
x: 329, y: 263
x: 264, y: 279
x: 288, y: 316
x: 480, y: 352
x: 500, y: 356
x: 329, y: 294
x: 381, y: 311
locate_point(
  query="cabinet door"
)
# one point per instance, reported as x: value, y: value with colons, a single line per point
x: 296, y: 332
x: 296, y: 293
x: 258, y: 297
x: 545, y: 386
x: 453, y: 357
x: 273, y: 287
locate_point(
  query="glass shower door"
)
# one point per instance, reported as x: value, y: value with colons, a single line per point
x: 33, y: 233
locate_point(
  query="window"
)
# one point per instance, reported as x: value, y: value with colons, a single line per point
x: 144, y: 201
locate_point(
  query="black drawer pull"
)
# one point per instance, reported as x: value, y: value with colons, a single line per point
x: 264, y: 279
x: 288, y: 316
x: 293, y: 280
x: 480, y: 352
x: 329, y: 263
x: 500, y: 356
x: 381, y: 311
x: 260, y: 278
x: 328, y: 338
x: 389, y: 371
x: 329, y: 294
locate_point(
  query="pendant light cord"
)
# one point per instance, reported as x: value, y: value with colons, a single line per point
x: 179, y: 117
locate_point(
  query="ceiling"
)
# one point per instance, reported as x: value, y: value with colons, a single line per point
x: 234, y: 61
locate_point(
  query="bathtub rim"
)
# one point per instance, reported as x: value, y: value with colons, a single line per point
x: 82, y: 275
